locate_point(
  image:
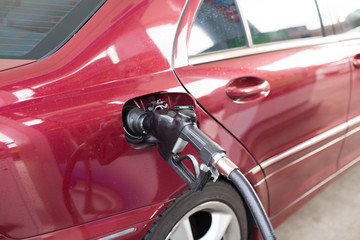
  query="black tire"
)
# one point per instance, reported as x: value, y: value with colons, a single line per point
x: 197, y: 211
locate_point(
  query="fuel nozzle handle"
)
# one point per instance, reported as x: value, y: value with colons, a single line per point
x: 205, y: 146
x: 171, y: 131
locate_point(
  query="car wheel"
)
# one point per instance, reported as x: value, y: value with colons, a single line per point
x: 215, y: 213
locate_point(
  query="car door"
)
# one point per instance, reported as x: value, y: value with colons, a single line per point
x: 270, y: 76
x: 347, y: 14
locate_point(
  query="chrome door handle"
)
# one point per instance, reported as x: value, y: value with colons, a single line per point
x: 246, y: 89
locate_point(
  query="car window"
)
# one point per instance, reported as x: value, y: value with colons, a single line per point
x: 278, y: 20
x: 32, y: 29
x: 217, y: 26
x: 348, y: 12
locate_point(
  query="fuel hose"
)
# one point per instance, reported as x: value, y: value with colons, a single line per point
x: 253, y: 203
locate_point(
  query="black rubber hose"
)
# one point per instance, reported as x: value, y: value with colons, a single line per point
x: 253, y: 202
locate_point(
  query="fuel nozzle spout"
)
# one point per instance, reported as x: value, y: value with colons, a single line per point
x: 135, y: 120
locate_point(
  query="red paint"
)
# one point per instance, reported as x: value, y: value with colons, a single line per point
x: 67, y: 170
x: 6, y: 64
x: 350, y: 149
x: 309, y: 92
x: 139, y: 219
x: 64, y: 157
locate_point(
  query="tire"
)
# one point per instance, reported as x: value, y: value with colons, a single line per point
x: 215, y: 213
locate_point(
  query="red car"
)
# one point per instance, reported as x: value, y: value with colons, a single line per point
x: 274, y: 83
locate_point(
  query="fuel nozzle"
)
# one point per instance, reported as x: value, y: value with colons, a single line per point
x: 171, y: 131
x: 134, y: 123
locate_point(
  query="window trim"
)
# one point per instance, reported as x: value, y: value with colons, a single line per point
x: 245, y: 23
x: 258, y: 49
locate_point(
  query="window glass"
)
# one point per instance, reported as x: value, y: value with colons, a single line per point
x: 279, y: 20
x: 348, y: 15
x: 217, y: 26
x: 30, y: 29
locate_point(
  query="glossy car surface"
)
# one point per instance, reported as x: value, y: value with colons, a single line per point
x: 285, y: 111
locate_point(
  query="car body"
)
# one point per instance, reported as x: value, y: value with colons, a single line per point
x: 67, y: 169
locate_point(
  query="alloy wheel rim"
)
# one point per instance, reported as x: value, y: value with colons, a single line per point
x: 195, y: 224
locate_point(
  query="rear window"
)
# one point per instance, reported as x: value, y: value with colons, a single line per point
x: 33, y: 29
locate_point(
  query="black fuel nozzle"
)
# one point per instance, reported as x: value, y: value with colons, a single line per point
x: 171, y: 131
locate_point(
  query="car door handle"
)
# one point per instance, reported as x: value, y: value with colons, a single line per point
x: 356, y: 61
x: 246, y: 89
